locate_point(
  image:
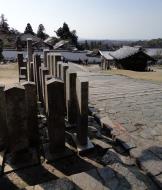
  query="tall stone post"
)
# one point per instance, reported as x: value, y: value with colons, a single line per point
x: 31, y: 108
x: 82, y: 141
x: 20, y: 61
x: 59, y: 63
x: 52, y: 63
x: 29, y: 54
x: 37, y: 64
x: 64, y: 68
x: 82, y: 101
x: 45, y: 57
x: 56, y: 125
x: 49, y: 63
x: 57, y: 57
x: 3, y: 124
x: 16, y: 118
x: 47, y: 77
x: 71, y: 99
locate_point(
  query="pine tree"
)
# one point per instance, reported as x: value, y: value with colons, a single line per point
x: 28, y: 29
x: 3, y: 24
x: 64, y: 33
x: 41, y: 32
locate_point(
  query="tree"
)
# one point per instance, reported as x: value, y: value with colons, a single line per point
x: 14, y: 31
x: 41, y: 32
x: 64, y: 33
x: 28, y: 29
x: 1, y: 50
x: 3, y: 23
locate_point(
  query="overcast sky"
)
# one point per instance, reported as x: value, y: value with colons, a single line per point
x: 94, y: 19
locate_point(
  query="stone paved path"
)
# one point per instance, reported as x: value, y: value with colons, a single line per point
x: 137, y: 106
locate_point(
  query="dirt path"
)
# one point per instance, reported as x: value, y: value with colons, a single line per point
x: 9, y: 73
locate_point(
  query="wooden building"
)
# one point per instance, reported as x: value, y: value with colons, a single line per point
x: 106, y: 60
x: 132, y: 58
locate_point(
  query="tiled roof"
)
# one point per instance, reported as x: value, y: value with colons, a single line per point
x: 60, y: 44
x: 106, y: 54
x: 124, y: 52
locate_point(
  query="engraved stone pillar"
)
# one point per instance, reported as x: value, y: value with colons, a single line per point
x: 71, y: 99
x: 16, y: 118
x: 56, y: 125
x: 31, y: 106
x: 45, y: 57
x: 82, y: 100
x: 29, y: 54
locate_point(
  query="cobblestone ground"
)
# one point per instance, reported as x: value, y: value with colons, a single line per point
x: 137, y: 106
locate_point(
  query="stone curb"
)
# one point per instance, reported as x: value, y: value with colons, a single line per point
x: 124, y: 141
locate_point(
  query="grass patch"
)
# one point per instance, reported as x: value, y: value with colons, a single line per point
x: 156, y: 75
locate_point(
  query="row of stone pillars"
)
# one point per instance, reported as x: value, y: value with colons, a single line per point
x: 62, y: 94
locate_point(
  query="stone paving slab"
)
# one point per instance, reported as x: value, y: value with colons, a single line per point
x: 109, y: 178
x: 136, y: 105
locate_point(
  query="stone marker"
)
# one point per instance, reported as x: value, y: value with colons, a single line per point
x: 52, y: 63
x: 82, y: 100
x: 47, y: 77
x: 57, y: 57
x: 71, y: 99
x: 44, y: 72
x: 37, y: 64
x: 3, y: 124
x: 32, y: 71
x: 29, y: 55
x: 31, y: 105
x: 64, y: 68
x: 59, y: 63
x: 45, y: 57
x: 56, y: 125
x: 16, y: 118
x: 81, y: 139
x: 20, y: 61
x: 49, y: 63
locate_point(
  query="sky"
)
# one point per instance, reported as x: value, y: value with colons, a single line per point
x: 92, y: 19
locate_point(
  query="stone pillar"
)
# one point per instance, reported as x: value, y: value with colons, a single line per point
x: 45, y: 57
x: 32, y: 71
x: 16, y: 118
x: 64, y: 68
x: 37, y: 64
x: 57, y: 57
x: 20, y: 61
x: 44, y: 71
x: 59, y: 63
x: 56, y: 124
x: 49, y: 63
x: 82, y: 102
x: 31, y: 106
x: 3, y: 124
x: 29, y: 54
x: 47, y: 77
x: 71, y: 99
x: 52, y: 63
